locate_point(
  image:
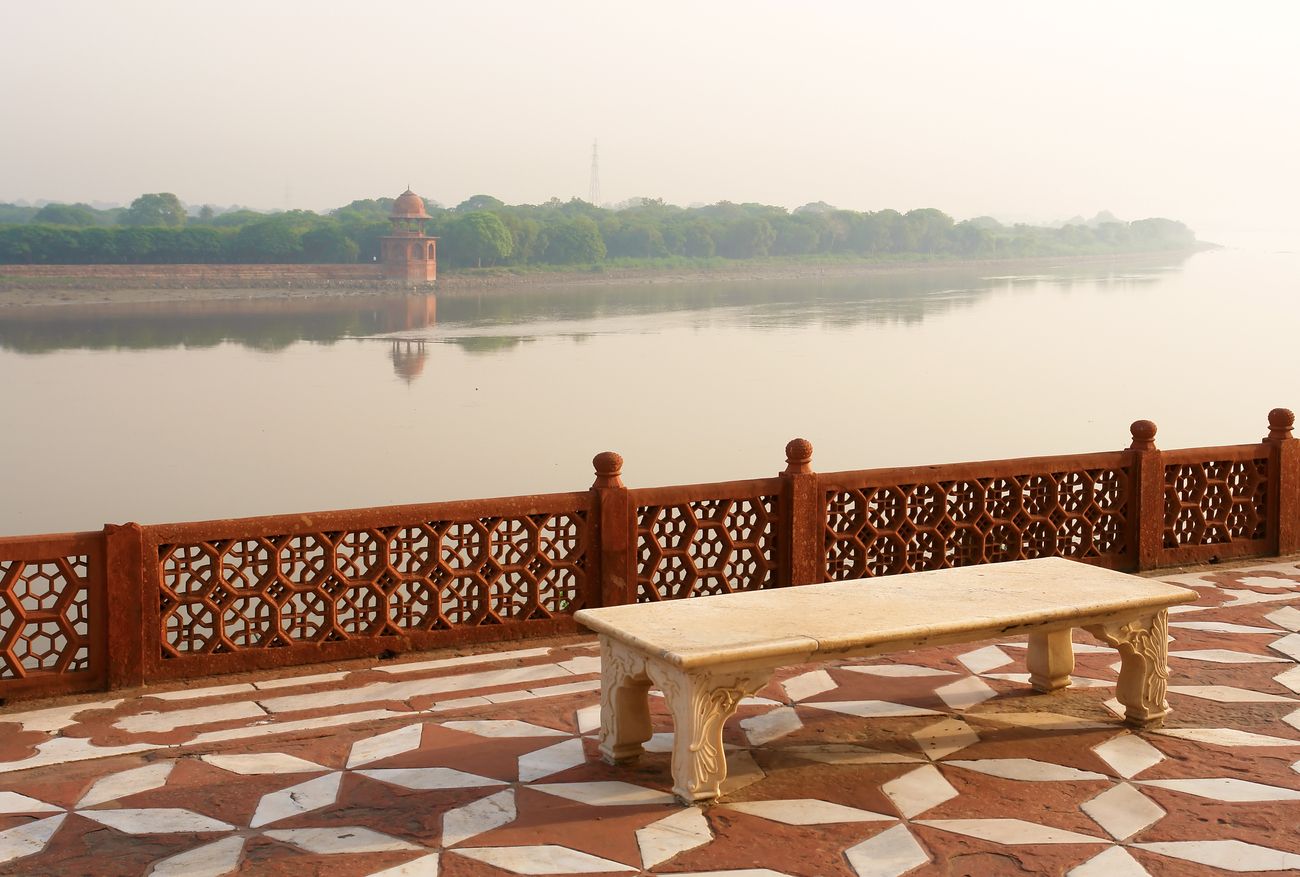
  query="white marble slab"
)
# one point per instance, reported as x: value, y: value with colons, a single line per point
x: 28, y: 838
x: 162, y: 722
x: 891, y: 853
x: 917, y: 791
x: 502, y: 728
x: 425, y: 866
x: 1230, y: 855
x: 607, y: 793
x: 128, y: 782
x: 340, y: 839
x: 1011, y: 831
x: 1129, y: 754
x: 543, y: 859
x: 430, y: 778
x: 461, y: 661
x: 386, y: 745
x: 806, y: 811
x: 1027, y: 770
x: 807, y: 685
x: 477, y: 817
x: 196, y: 693
x: 255, y: 763
x: 965, y: 693
x: 675, y: 834
x: 156, y: 820
x: 1112, y: 862
x: 945, y: 737
x: 1226, y: 789
x: 770, y: 726
x: 1123, y: 811
x: 550, y: 760
x: 216, y: 859
x: 298, y: 799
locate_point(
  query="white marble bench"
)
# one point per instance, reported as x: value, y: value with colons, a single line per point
x: 707, y: 653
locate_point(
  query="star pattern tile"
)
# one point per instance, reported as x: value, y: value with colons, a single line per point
x: 894, y: 764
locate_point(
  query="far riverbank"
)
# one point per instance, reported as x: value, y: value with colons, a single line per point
x: 55, y: 289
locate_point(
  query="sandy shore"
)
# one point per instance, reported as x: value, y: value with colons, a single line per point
x: 19, y: 292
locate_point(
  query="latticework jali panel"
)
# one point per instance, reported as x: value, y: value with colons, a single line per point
x: 256, y: 593
x: 901, y: 528
x: 45, y: 616
x: 1215, y: 503
x: 707, y: 546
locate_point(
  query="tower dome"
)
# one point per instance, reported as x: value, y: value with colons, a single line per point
x: 409, y: 206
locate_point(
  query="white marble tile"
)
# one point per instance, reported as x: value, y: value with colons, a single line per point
x: 965, y: 693
x: 1225, y: 656
x: 407, y: 689
x: 256, y: 763
x: 1228, y: 694
x: 1288, y: 617
x: 56, y: 718
x: 553, y: 759
x: 806, y: 811
x: 476, y: 817
x: 128, y: 782
x: 543, y: 859
x: 566, y: 688
x: 291, y: 681
x: 945, y: 737
x: 1027, y: 770
x: 773, y: 725
x: 12, y: 802
x: 869, y: 709
x: 1011, y: 831
x: 502, y: 728
x: 582, y: 665
x: 588, y: 719
x: 1226, y: 737
x: 271, y: 729
x: 742, y: 771
x: 1268, y: 582
x: 459, y: 703
x: 1129, y: 754
x: 1293, y: 719
x: 296, y: 800
x: 196, y: 693
x: 425, y: 866
x: 1230, y: 855
x: 847, y: 753
x: 509, y: 696
x: 65, y: 750
x: 891, y: 853
x: 461, y: 661
x: 1123, y: 811
x: 1112, y: 862
x: 1226, y: 789
x: 216, y: 859
x: 660, y: 742
x: 606, y: 793
x: 159, y: 820
x: 28, y: 838
x: 1043, y: 720
x: 1220, y: 627
x: 675, y: 834
x: 1115, y: 706
x: 758, y: 702
x: 386, y: 745
x: 1288, y: 645
x: 915, y: 792
x: 898, y: 670
x: 985, y: 659
x: 807, y: 685
x: 153, y: 722
x: 1247, y: 598
x: 340, y: 839
x: 429, y: 778
x: 1290, y: 678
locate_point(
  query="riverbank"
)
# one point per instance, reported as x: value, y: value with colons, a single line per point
x: 55, y: 289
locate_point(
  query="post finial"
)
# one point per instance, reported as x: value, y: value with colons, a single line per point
x: 1280, y: 422
x: 1144, y: 435
x: 798, y: 457
x: 609, y: 469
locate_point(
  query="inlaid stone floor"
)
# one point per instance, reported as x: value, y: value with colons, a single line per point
x: 933, y: 762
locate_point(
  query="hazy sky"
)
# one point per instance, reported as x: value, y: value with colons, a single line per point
x: 1021, y: 110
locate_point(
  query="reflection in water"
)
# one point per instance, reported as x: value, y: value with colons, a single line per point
x: 409, y: 358
x: 906, y: 297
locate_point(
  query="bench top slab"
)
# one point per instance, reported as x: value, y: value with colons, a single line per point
x: 865, y: 615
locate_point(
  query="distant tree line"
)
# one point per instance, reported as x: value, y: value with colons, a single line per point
x: 485, y: 232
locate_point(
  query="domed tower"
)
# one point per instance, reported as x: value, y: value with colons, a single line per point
x: 408, y: 254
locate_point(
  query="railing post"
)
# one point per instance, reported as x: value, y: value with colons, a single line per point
x: 1148, y: 525
x: 805, y: 513
x: 615, y: 532
x: 1284, y: 483
x: 124, y: 604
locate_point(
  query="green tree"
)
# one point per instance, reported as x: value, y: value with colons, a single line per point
x: 328, y: 243
x: 65, y: 214
x: 746, y: 238
x: 573, y: 241
x: 160, y: 209
x: 479, y: 202
x: 477, y: 238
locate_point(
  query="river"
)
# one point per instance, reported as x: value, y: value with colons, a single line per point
x: 168, y: 412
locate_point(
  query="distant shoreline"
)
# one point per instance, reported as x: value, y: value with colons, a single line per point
x: 27, y: 292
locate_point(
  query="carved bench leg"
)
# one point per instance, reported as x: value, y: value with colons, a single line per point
x: 701, y: 703
x: 1051, y: 660
x: 624, y: 702
x: 1143, y: 645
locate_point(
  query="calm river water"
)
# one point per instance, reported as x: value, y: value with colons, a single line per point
x: 181, y: 412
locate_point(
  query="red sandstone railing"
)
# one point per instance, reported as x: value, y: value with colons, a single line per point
x: 130, y: 605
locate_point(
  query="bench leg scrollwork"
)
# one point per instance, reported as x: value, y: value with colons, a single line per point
x: 1143, y: 645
